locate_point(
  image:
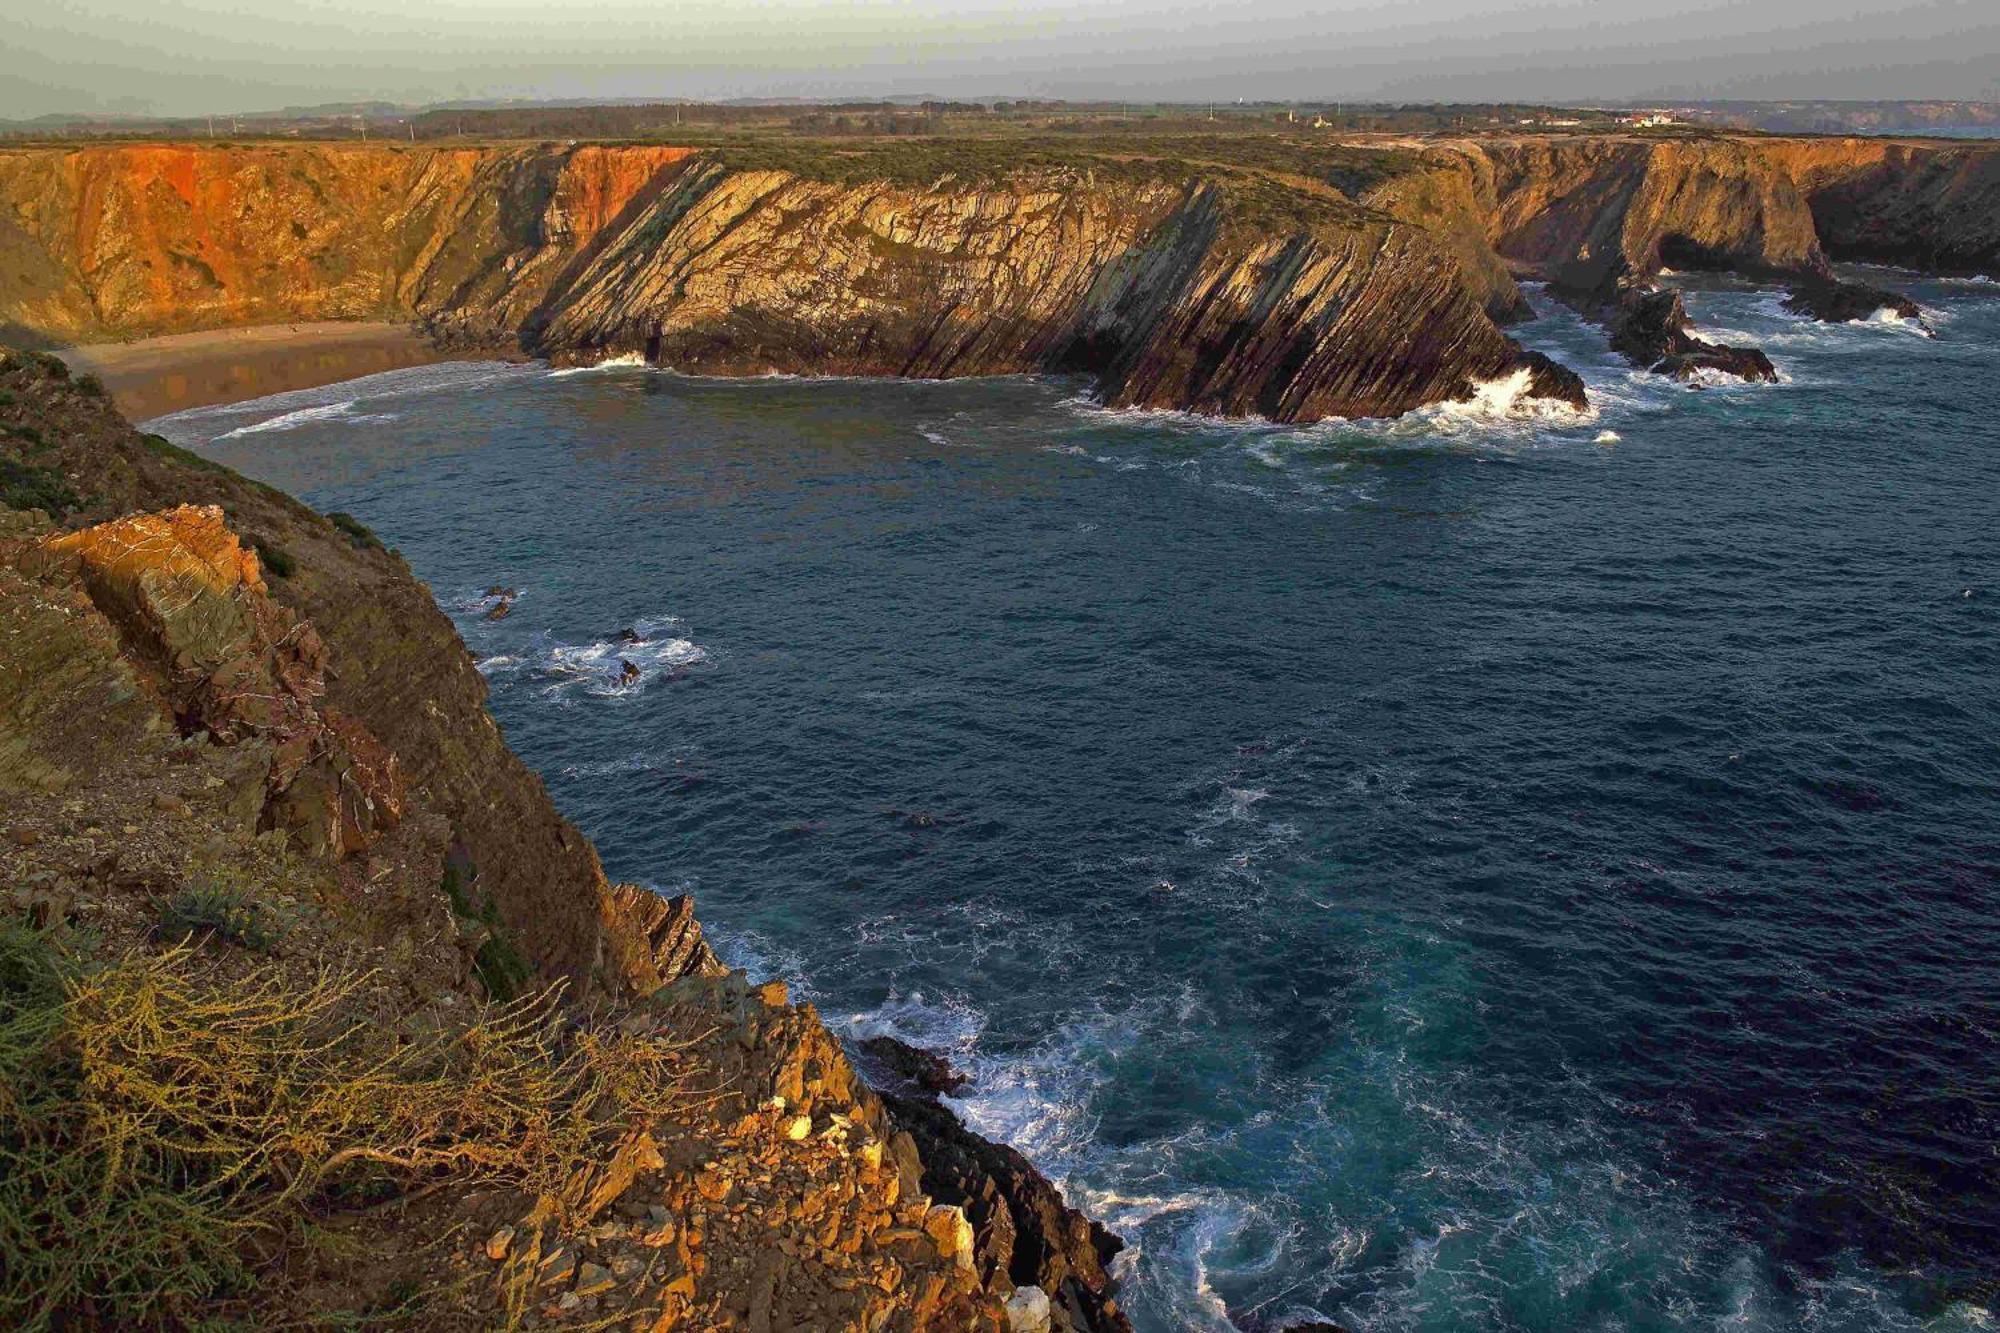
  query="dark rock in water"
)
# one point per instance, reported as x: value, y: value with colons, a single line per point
x: 1552, y: 379
x: 1647, y: 327
x: 1020, y: 1223
x: 500, y: 611
x: 628, y: 671
x: 1835, y: 302
x: 889, y: 1062
x: 1746, y: 363
x: 630, y: 635
x: 1651, y: 329
x: 920, y: 819
x: 506, y: 594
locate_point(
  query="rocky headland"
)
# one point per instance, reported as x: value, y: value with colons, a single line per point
x: 316, y: 1010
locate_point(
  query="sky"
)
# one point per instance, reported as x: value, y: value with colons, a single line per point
x: 192, y: 57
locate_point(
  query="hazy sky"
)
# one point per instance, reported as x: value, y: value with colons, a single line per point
x: 194, y: 56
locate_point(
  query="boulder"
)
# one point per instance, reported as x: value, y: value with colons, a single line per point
x: 1835, y: 302
x: 1028, y: 1311
x: 1549, y: 378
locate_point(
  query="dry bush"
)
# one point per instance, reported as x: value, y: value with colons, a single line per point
x: 162, y: 1127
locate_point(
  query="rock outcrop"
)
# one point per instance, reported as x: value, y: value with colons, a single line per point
x: 1597, y: 217
x: 1651, y: 329
x: 1837, y: 302
x: 232, y: 665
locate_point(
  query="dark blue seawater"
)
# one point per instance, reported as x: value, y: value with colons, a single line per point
x: 1471, y: 872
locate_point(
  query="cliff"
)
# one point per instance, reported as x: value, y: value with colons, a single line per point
x: 317, y: 1011
x: 1206, y: 287
x: 1602, y: 218
x: 1292, y: 278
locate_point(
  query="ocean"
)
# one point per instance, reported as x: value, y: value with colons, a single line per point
x: 1479, y: 871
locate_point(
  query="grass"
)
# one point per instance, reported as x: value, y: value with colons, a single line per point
x: 916, y: 162
x: 274, y: 558
x: 162, y: 447
x: 167, y: 1128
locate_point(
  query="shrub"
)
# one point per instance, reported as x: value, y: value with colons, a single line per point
x: 90, y: 386
x: 498, y: 964
x: 275, y: 559
x: 25, y: 486
x: 212, y: 913
x: 357, y: 531
x: 162, y: 1125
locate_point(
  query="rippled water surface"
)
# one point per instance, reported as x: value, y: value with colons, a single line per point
x: 1447, y: 874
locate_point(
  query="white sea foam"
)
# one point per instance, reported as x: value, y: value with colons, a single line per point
x: 756, y: 954
x: 598, y: 669
x: 306, y: 416
x: 199, y: 425
x: 626, y: 361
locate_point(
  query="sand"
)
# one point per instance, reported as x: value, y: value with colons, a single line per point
x: 150, y: 377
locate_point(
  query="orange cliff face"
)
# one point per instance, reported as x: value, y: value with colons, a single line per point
x: 142, y: 239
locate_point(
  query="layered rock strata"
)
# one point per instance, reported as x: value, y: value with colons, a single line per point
x: 1210, y: 290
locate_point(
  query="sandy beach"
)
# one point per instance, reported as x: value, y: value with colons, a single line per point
x: 153, y: 376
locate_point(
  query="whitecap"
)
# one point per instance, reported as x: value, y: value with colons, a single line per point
x: 306, y: 416
x: 625, y: 361
x: 201, y: 424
